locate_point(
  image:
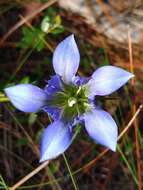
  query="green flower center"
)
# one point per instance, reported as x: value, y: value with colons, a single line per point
x: 72, y: 100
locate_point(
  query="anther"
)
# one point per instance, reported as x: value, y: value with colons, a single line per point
x: 78, y: 90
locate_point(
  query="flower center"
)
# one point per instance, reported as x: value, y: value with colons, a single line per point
x: 72, y: 101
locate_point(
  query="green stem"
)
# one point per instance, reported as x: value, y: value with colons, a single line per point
x: 3, y: 184
x: 70, y: 172
x: 128, y: 165
x: 4, y: 99
x: 21, y: 63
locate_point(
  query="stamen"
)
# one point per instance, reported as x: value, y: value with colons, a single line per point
x: 72, y: 101
x: 78, y: 91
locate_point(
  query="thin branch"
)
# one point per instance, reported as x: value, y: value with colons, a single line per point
x: 31, y: 174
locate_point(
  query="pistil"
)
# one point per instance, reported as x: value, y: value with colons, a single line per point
x: 71, y: 101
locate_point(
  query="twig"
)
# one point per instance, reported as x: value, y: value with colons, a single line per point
x: 28, y: 17
x: 130, y: 122
x: 31, y: 174
x: 34, y: 147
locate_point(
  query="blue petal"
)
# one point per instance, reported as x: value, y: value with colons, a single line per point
x: 54, y: 85
x: 102, y: 128
x: 66, y: 59
x: 26, y: 97
x: 78, y: 81
x: 54, y: 112
x: 56, y: 139
x: 106, y: 80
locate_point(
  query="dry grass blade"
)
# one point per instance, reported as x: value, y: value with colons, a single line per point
x: 133, y: 111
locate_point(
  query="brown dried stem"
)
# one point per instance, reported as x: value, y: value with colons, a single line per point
x: 137, y: 145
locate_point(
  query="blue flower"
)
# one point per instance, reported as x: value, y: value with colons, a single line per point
x: 69, y: 99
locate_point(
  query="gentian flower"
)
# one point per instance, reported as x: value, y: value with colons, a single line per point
x: 70, y: 99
